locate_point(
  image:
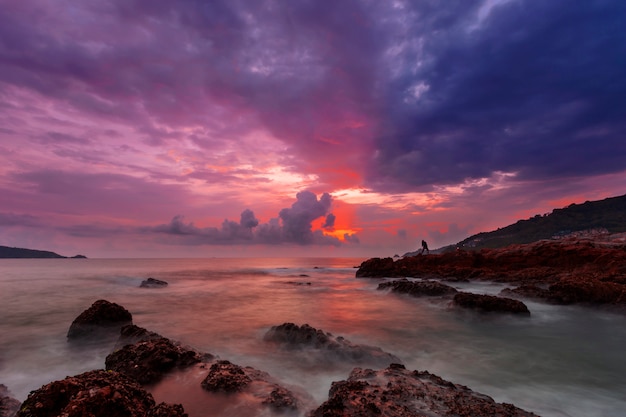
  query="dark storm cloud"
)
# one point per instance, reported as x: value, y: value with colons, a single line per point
x: 411, y: 93
x: 293, y: 225
x: 535, y: 88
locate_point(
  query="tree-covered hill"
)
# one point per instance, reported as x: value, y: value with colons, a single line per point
x: 609, y: 214
x: 8, y: 252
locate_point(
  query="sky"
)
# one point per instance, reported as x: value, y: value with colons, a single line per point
x: 195, y: 128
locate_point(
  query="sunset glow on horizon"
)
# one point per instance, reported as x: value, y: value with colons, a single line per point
x: 353, y: 128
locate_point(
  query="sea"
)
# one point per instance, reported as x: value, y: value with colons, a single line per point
x: 562, y: 361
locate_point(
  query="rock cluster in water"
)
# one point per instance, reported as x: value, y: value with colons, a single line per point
x: 563, y: 272
x: 398, y: 392
x: 142, y: 357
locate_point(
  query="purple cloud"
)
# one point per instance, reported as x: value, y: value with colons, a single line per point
x: 294, y: 225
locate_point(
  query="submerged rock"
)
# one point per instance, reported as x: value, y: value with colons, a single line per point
x: 96, y: 393
x: 103, y: 318
x: 148, y: 360
x: 226, y: 377
x: 153, y: 283
x: 292, y: 336
x: 397, y: 392
x: 490, y: 303
x: 418, y: 288
x: 8, y: 404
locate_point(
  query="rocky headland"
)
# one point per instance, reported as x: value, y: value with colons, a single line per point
x: 567, y: 271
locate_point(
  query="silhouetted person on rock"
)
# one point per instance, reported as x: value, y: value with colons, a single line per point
x: 425, y: 247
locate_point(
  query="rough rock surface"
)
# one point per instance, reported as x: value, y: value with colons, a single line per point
x: 95, y: 393
x: 397, y: 392
x: 8, y: 404
x: 102, y: 318
x: 148, y: 360
x: 131, y: 334
x: 490, y: 303
x: 153, y: 283
x: 418, y: 288
x: 574, y: 271
x: 292, y: 336
x: 226, y: 377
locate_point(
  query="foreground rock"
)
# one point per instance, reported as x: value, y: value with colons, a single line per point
x: 292, y: 336
x: 490, y: 303
x: 150, y: 358
x: 573, y: 271
x: 102, y: 319
x: 418, y: 288
x: 8, y: 404
x: 397, y: 392
x: 153, y: 283
x: 226, y: 377
x: 95, y: 393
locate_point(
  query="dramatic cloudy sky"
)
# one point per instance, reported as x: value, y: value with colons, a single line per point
x: 273, y: 128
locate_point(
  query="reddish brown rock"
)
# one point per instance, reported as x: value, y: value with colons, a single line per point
x: 574, y: 271
x: 229, y: 378
x: 8, y: 404
x: 103, y: 318
x: 148, y: 360
x: 397, y: 392
x: 95, y: 393
x: 292, y: 336
x: 418, y: 288
x: 490, y: 303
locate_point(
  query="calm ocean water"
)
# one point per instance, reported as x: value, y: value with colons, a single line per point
x: 563, y: 361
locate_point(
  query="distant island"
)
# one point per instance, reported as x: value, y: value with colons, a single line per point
x: 7, y: 252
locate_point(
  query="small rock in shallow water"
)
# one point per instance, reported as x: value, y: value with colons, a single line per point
x: 153, y: 283
x: 490, y: 303
x: 102, y: 319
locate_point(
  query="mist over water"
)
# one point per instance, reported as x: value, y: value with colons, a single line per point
x: 562, y: 361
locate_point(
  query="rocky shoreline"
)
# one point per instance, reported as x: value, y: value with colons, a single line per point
x: 588, y: 272
x: 570, y: 271
x: 141, y: 358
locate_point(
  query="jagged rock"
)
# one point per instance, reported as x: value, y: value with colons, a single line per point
x: 574, y: 271
x: 226, y: 377
x: 102, y: 318
x: 148, y: 360
x: 95, y: 393
x: 292, y: 336
x: 153, y: 283
x: 418, y: 288
x: 490, y: 303
x: 397, y: 392
x: 570, y: 291
x: 377, y: 268
x: 8, y: 404
x: 131, y: 334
